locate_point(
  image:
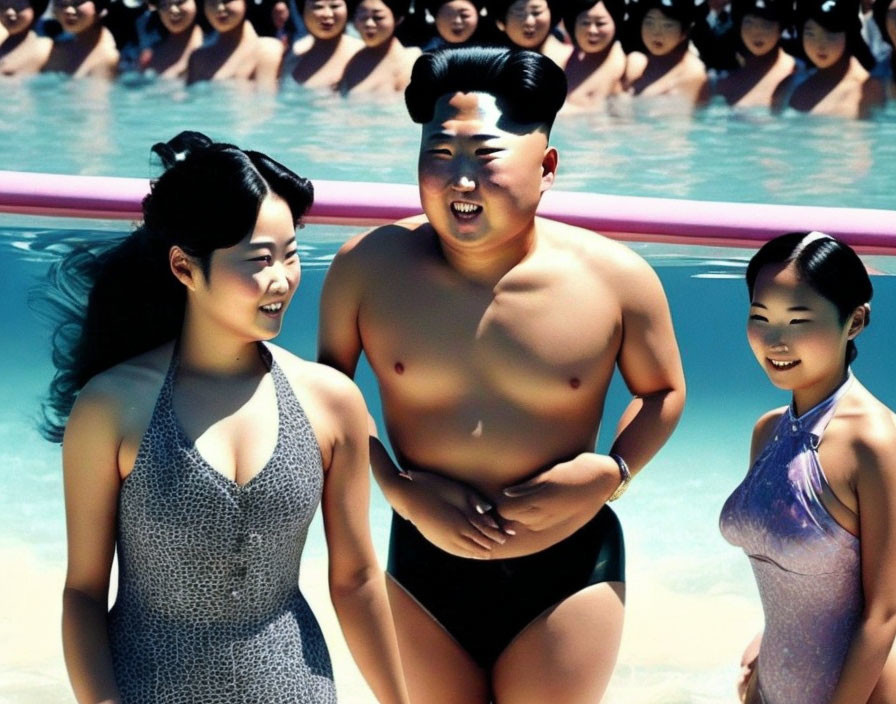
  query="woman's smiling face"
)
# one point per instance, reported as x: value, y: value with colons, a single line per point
x: 456, y: 21
x: 595, y: 29
x: 795, y: 333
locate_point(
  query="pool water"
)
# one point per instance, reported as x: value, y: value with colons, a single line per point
x: 692, y: 602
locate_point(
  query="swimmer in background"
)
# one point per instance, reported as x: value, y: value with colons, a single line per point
x: 669, y: 67
x: 841, y: 85
x: 22, y: 51
x: 884, y: 12
x: 318, y: 60
x: 493, y: 335
x: 456, y: 22
x: 816, y: 513
x: 529, y: 24
x: 384, y: 64
x: 170, y: 56
x: 767, y: 66
x: 87, y: 48
x: 272, y: 18
x: 236, y: 51
x: 596, y: 68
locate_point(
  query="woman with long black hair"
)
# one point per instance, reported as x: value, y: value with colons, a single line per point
x: 200, y: 453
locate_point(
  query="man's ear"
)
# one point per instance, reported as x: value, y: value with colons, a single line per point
x: 549, y: 168
x: 184, y: 267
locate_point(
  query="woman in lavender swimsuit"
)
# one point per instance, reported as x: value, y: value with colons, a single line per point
x: 816, y: 514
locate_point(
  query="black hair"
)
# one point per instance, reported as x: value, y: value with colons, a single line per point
x: 99, y: 5
x: 529, y: 87
x: 573, y: 8
x: 399, y: 8
x: 208, y: 198
x: 829, y: 266
x: 683, y: 11
x: 879, y: 11
x: 497, y: 9
x: 837, y: 16
x: 780, y: 11
x: 433, y: 6
x: 39, y: 7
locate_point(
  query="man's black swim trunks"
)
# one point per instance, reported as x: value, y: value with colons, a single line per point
x: 485, y: 604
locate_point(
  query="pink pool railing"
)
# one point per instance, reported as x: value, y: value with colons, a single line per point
x: 355, y: 203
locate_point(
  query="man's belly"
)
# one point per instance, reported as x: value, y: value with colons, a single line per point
x: 491, y: 452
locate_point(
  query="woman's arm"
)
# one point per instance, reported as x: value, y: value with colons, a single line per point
x: 876, y: 491
x: 90, y: 467
x: 357, y: 584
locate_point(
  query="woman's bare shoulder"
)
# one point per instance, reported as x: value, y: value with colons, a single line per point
x: 765, y: 426
x: 125, y: 394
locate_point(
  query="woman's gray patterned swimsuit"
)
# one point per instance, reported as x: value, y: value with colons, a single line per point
x: 208, y: 609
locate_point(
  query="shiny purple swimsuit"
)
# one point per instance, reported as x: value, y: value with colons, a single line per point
x: 806, y: 565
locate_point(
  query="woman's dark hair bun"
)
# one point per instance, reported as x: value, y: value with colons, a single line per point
x: 180, y: 147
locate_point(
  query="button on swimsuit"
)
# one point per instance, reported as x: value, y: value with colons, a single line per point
x: 208, y: 608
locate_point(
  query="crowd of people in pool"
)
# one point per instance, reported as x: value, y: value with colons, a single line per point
x: 819, y: 56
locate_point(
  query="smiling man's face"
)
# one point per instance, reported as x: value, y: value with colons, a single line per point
x: 481, y: 174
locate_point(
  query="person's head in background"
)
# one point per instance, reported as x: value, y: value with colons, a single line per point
x: 831, y: 33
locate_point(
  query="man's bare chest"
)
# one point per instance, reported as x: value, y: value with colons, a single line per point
x: 460, y: 342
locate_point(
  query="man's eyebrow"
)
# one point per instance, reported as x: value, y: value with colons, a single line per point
x: 792, y: 309
x: 445, y: 136
x: 266, y: 244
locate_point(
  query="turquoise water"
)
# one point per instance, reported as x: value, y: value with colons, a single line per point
x: 670, y: 513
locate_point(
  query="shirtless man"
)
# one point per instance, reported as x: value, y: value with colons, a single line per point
x: 494, y: 335
x: 88, y: 48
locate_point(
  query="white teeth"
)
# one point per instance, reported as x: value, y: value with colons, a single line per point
x: 783, y: 365
x: 465, y: 207
x: 272, y: 307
